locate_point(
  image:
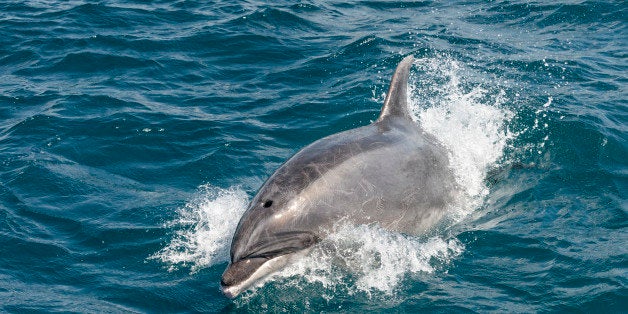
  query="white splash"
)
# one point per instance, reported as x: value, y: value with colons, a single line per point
x: 205, y: 227
x: 377, y: 258
x: 469, y: 120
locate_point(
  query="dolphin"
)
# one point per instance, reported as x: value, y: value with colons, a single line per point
x: 389, y: 173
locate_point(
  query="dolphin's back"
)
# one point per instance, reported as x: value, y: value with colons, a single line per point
x: 397, y: 177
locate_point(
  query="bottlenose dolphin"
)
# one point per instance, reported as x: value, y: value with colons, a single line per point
x: 389, y: 173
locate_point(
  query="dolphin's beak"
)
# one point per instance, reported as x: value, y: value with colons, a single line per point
x: 229, y: 293
x: 242, y: 274
x: 239, y: 275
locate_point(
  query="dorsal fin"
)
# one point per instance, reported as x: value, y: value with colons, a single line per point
x: 396, y: 103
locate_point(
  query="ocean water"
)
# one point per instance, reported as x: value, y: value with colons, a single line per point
x: 133, y: 134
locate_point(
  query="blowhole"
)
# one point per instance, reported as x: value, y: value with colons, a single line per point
x: 268, y: 203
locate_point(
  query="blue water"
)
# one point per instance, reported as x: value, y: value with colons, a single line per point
x: 133, y: 133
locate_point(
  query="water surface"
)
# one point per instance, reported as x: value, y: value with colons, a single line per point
x: 133, y: 134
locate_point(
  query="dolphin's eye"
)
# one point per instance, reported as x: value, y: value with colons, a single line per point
x: 268, y: 203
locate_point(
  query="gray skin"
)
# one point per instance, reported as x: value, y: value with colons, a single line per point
x: 389, y: 173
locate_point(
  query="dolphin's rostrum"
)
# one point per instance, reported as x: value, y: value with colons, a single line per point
x: 389, y: 173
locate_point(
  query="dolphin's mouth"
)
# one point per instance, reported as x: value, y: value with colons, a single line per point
x: 242, y: 274
x: 230, y: 292
x: 238, y: 274
x: 268, y: 256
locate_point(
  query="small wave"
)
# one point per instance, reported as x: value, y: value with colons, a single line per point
x: 278, y: 20
x: 97, y: 62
